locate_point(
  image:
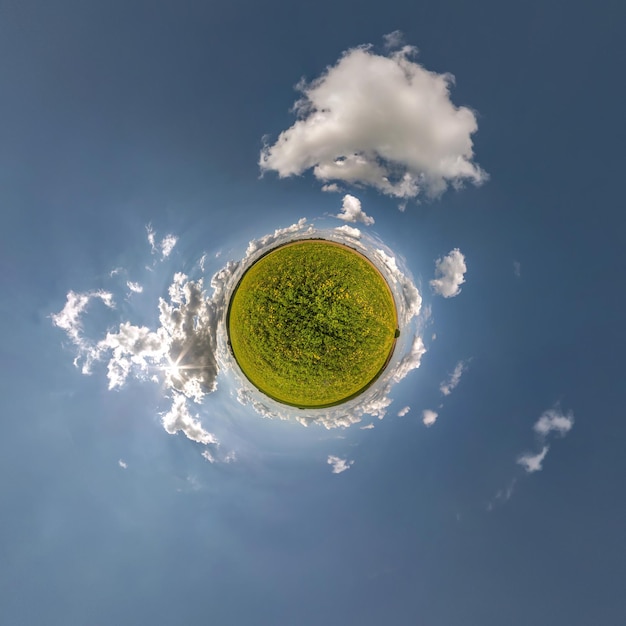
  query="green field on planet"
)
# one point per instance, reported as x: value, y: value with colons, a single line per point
x: 312, y: 323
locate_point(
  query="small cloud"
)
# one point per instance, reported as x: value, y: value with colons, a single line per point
x: 421, y: 144
x: 122, y: 464
x: 429, y: 417
x: 532, y: 462
x: 351, y: 211
x: 179, y: 418
x: 517, y: 268
x: 165, y: 246
x: 134, y: 287
x: 208, y: 456
x: 332, y: 188
x: 339, y: 465
x: 502, y: 495
x: 404, y: 411
x: 394, y: 40
x: 449, y: 274
x: 554, y: 420
x: 368, y: 427
x: 447, y: 386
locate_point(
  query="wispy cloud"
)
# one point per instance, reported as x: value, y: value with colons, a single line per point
x: 122, y: 464
x: 69, y: 319
x: 423, y: 142
x: 429, y: 417
x: 351, y: 211
x: 554, y: 420
x: 532, y: 462
x: 404, y: 411
x: 163, y: 247
x: 551, y: 421
x: 339, y: 465
x: 448, y: 386
x: 449, y: 274
x: 134, y: 287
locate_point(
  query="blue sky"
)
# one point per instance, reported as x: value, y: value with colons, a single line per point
x: 116, y: 117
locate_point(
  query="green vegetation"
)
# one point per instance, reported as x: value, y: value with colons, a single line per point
x: 312, y: 323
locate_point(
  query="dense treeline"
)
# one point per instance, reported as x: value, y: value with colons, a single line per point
x: 312, y: 323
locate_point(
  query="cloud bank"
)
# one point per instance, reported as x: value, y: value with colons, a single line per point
x: 449, y: 274
x: 188, y: 348
x: 382, y: 121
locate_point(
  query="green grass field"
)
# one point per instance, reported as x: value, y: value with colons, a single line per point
x: 312, y: 323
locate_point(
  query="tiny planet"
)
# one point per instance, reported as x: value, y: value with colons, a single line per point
x: 312, y: 323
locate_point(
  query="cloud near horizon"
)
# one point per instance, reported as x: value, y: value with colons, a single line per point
x: 422, y: 144
x: 351, y: 211
x: 188, y: 348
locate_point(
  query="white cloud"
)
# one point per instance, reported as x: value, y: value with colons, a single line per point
x: 429, y: 417
x: 331, y: 188
x: 351, y: 211
x: 189, y: 345
x: 69, y: 319
x: 554, y: 420
x: 532, y: 462
x: 393, y: 40
x: 404, y: 411
x: 355, y: 233
x: 517, y: 268
x: 367, y: 427
x: 165, y: 246
x: 339, y: 465
x: 551, y: 421
x: 449, y: 274
x: 379, y: 120
x: 122, y: 464
x: 447, y: 386
x: 208, y: 456
x: 134, y: 287
x: 412, y: 360
x: 178, y: 418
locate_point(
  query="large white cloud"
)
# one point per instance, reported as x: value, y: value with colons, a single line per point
x: 449, y: 274
x: 379, y: 120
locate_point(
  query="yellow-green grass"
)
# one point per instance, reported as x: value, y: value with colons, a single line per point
x: 312, y: 323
